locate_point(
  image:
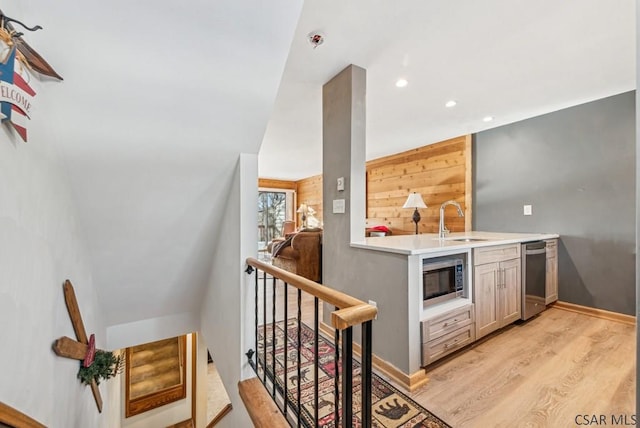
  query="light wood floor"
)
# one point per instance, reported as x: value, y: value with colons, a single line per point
x: 538, y: 374
x: 541, y: 373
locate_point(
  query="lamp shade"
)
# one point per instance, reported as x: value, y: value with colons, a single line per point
x: 305, y: 209
x: 414, y: 201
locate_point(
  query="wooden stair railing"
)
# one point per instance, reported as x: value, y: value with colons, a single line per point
x: 263, y: 411
x: 349, y: 312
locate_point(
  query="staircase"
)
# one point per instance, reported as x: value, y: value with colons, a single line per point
x: 156, y: 375
x: 154, y: 367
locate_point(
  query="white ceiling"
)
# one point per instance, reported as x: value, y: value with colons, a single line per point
x: 160, y: 98
x: 510, y: 59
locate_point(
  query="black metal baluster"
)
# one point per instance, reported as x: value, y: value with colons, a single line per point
x: 299, y: 392
x: 264, y: 327
x: 273, y: 335
x: 256, y: 322
x: 336, y: 379
x: 316, y: 363
x: 365, y: 374
x: 347, y: 378
x: 286, y: 346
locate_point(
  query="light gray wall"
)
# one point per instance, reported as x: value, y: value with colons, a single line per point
x: 343, y: 109
x: 577, y: 168
x: 42, y: 244
x: 227, y: 308
x: 343, y: 155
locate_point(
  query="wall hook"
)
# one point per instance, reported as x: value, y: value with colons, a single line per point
x: 6, y: 19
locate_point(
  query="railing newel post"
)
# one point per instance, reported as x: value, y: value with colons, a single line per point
x: 366, y: 373
x: 336, y: 383
x: 316, y: 363
x: 347, y: 378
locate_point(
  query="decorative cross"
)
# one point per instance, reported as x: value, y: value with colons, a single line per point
x: 82, y: 349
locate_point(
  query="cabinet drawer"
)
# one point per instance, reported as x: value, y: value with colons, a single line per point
x: 448, y: 343
x: 440, y: 325
x: 497, y: 253
x: 552, y: 248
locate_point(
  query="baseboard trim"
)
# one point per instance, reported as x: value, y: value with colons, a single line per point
x: 410, y: 382
x: 221, y: 414
x: 594, y: 312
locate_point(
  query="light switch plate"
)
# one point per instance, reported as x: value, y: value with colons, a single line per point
x: 340, y: 185
x: 338, y: 206
x: 527, y: 210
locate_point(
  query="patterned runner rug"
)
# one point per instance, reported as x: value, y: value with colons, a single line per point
x: 390, y: 407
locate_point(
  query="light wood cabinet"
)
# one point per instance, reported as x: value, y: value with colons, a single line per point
x: 485, y: 291
x: 497, y: 287
x: 551, y: 281
x: 447, y: 332
x: 510, y: 291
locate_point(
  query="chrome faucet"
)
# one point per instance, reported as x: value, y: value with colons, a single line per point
x: 442, y: 230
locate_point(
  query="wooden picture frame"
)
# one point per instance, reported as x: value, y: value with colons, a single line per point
x: 136, y: 403
x: 10, y: 417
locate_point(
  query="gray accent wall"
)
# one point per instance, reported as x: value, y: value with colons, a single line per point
x: 577, y: 168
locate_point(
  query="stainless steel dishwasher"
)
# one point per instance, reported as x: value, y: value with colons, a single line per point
x: 534, y: 273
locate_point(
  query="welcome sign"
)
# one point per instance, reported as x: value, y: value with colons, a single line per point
x: 16, y: 96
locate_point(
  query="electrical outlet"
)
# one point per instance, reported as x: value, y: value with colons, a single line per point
x: 340, y: 184
x: 527, y: 210
x: 372, y: 303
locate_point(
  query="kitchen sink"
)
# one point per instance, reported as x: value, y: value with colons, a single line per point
x: 467, y: 239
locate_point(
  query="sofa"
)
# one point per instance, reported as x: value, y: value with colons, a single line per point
x: 301, y: 253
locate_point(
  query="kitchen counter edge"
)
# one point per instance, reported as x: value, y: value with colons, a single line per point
x: 428, y: 243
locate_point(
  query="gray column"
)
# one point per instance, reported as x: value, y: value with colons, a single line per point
x: 364, y: 274
x: 343, y: 156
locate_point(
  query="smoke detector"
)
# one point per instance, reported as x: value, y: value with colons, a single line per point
x: 315, y: 38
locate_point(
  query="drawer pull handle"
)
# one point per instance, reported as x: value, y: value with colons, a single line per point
x: 447, y: 345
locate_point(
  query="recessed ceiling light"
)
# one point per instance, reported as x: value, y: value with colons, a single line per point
x: 401, y: 83
x: 487, y: 118
x: 450, y: 103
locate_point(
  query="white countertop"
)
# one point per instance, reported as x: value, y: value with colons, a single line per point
x: 430, y: 243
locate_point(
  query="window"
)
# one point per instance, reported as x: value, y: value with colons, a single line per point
x: 272, y: 213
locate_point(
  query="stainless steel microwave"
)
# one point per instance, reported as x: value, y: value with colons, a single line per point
x: 442, y: 279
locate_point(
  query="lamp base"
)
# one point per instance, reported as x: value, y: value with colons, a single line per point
x: 416, y: 219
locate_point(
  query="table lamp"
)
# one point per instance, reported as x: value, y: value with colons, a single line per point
x: 415, y: 201
x: 305, y: 210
